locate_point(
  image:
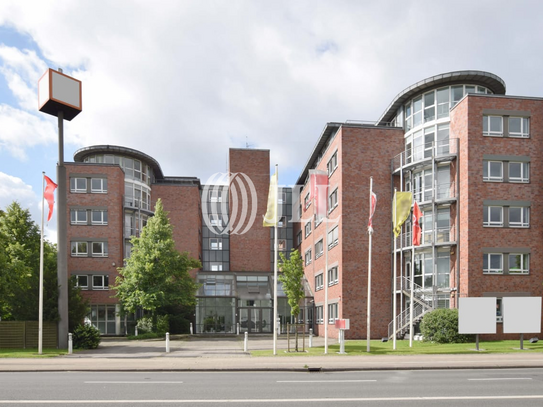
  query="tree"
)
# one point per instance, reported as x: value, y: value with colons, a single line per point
x: 292, y: 279
x: 156, y: 275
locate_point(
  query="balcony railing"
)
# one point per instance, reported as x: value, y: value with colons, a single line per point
x: 435, y: 149
x: 131, y: 202
x: 439, y: 236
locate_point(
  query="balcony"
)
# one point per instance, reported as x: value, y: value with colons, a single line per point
x: 134, y: 203
x: 440, y: 236
x: 441, y: 150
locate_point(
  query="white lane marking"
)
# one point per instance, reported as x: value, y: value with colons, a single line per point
x: 324, y: 381
x: 256, y: 401
x: 131, y: 382
x: 501, y: 378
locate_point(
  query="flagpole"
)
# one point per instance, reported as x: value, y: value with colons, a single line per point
x: 325, y: 311
x: 40, y: 306
x: 411, y: 333
x: 394, y: 282
x: 275, y: 324
x: 370, y: 232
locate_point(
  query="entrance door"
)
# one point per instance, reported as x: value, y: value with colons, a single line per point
x: 255, y: 320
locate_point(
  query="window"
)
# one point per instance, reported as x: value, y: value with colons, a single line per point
x: 417, y: 111
x: 281, y: 244
x: 493, y: 126
x: 443, y: 105
x: 215, y: 196
x: 282, y: 222
x: 98, y: 185
x: 215, y: 244
x: 99, y: 217
x: 319, y: 283
x: 318, y: 249
x: 281, y: 198
x: 493, y: 216
x: 82, y: 281
x: 216, y: 266
x: 333, y: 237
x: 319, y: 319
x: 99, y: 249
x: 332, y: 313
x: 308, y: 228
x: 332, y: 200
x: 519, y: 263
x: 78, y: 185
x: 493, y: 263
x: 492, y: 171
x: 299, y: 238
x: 307, y: 200
x: 78, y: 216
x: 332, y: 164
x: 308, y: 257
x: 216, y: 220
x: 333, y: 276
x: 429, y: 107
x: 499, y: 314
x: 519, y: 127
x: 408, y: 124
x: 79, y: 249
x: 519, y: 217
x: 519, y: 172
x: 100, y: 282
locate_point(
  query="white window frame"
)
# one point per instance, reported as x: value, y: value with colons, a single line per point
x: 319, y: 249
x: 282, y: 222
x: 307, y: 257
x: 216, y: 266
x: 215, y: 196
x: 333, y: 275
x: 102, y: 188
x: 490, y: 221
x: 332, y: 200
x: 333, y: 313
x: 333, y: 237
x: 307, y: 200
x: 215, y: 243
x: 487, y: 119
x: 319, y: 282
x: 524, y: 217
x: 75, y: 188
x: 75, y: 219
x: 78, y: 249
x: 103, y: 217
x: 524, y: 172
x: 332, y: 164
x: 102, y: 252
x: 319, y: 315
x: 489, y: 269
x: 489, y: 177
x: 78, y: 278
x: 104, y: 284
x: 216, y: 220
x: 299, y: 238
x: 524, y: 127
x: 307, y: 228
x: 524, y: 268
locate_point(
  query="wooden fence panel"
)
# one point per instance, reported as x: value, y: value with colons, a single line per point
x: 22, y: 335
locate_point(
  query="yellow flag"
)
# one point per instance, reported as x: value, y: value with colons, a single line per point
x: 270, y: 219
x: 403, y: 201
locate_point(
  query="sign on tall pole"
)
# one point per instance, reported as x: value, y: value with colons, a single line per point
x: 60, y: 95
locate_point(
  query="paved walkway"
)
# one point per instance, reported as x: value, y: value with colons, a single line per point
x: 227, y: 354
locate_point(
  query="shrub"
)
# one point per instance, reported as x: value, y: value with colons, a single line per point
x: 162, y: 324
x: 441, y: 325
x: 86, y: 337
x: 145, y: 325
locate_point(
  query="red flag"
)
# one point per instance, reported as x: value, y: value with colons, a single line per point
x: 49, y: 195
x: 372, y: 211
x: 417, y: 231
x: 319, y: 192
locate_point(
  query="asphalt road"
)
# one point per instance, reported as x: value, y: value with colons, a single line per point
x: 488, y: 387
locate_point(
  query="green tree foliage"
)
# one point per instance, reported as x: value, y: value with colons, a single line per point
x: 292, y: 278
x: 86, y: 337
x: 441, y: 325
x: 156, y: 275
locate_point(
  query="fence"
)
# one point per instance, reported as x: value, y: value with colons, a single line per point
x: 22, y: 335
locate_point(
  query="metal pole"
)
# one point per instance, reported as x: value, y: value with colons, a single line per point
x: 275, y: 282
x: 368, y: 317
x: 394, y: 277
x: 325, y: 311
x: 40, y: 306
x: 62, y: 250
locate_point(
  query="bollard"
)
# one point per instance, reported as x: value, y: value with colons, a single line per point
x: 167, y: 342
x: 310, y: 337
x: 136, y: 331
x: 237, y: 328
x: 70, y: 344
x: 245, y: 341
x: 191, y: 332
x: 342, y: 341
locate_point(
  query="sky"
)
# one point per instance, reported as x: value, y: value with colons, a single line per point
x: 184, y: 81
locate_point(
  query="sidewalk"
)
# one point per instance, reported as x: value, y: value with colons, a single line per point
x: 226, y: 354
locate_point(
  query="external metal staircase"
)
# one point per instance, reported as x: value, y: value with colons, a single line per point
x: 421, y: 302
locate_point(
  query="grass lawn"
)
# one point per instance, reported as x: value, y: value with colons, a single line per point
x: 31, y: 353
x: 358, y: 348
